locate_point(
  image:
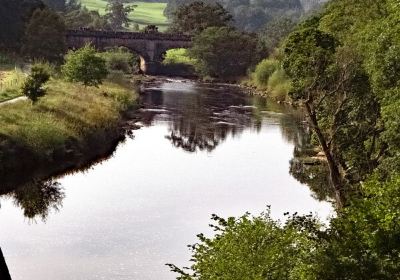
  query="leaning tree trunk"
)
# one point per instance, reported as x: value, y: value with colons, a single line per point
x: 4, y: 273
x: 334, y: 173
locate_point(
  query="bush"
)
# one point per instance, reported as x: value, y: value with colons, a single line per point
x: 224, y: 52
x: 85, y: 66
x: 33, y: 85
x: 279, y: 85
x: 178, y: 56
x: 263, y: 72
x: 121, y: 59
x: 253, y: 248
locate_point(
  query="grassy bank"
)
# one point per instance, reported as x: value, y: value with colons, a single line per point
x: 144, y: 14
x: 71, y: 124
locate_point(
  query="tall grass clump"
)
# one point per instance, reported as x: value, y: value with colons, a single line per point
x: 11, y: 80
x: 279, y: 85
x: 263, y: 72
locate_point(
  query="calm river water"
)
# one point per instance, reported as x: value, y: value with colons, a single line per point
x: 202, y: 150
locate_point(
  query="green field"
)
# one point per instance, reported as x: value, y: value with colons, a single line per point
x: 145, y: 13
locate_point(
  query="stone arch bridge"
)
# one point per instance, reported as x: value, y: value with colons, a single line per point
x: 149, y: 46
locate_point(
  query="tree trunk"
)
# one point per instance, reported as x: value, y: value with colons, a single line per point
x: 4, y: 273
x: 334, y: 173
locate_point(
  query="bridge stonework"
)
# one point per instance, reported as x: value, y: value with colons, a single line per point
x: 149, y: 46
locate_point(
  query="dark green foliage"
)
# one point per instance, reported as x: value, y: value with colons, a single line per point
x: 248, y: 15
x: 33, y: 86
x: 275, y: 31
x: 45, y: 36
x: 83, y: 18
x: 363, y: 242
x: 14, y: 15
x: 85, y: 66
x: 223, y: 52
x: 198, y: 16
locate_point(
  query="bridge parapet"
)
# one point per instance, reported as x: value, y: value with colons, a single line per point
x: 158, y: 36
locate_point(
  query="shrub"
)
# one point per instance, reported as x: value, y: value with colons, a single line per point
x: 178, y: 56
x: 33, y: 85
x: 121, y: 59
x: 253, y: 248
x: 263, y: 72
x: 279, y: 85
x: 85, y: 66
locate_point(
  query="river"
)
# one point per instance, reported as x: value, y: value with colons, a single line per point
x: 201, y: 149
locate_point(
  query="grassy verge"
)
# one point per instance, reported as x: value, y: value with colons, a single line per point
x: 144, y: 14
x: 71, y: 124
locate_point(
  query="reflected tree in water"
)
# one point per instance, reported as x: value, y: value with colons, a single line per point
x: 200, y: 122
x: 37, y: 198
x: 308, y: 167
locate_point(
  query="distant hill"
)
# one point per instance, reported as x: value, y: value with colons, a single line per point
x: 250, y: 15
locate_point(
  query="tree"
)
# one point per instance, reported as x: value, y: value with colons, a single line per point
x: 14, y: 16
x: 33, y: 85
x: 197, y: 16
x: 275, y: 31
x: 85, y: 66
x: 223, y: 52
x: 83, y: 18
x: 118, y: 14
x: 343, y: 112
x: 45, y: 36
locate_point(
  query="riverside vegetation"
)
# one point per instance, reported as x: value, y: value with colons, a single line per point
x: 73, y: 122
x: 341, y: 66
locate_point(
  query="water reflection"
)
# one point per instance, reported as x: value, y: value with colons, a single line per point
x: 202, y: 117
x: 38, y: 198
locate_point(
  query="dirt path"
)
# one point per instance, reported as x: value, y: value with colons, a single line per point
x: 13, y: 100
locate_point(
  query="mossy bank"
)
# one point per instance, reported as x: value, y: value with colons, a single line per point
x: 69, y: 127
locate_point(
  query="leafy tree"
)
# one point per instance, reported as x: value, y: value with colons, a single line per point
x: 83, y: 18
x: 14, y: 15
x: 223, y: 52
x: 45, y: 36
x: 197, y: 16
x: 85, y: 66
x: 33, y: 85
x: 118, y: 14
x: 362, y: 242
x: 276, y: 31
x: 334, y: 88
x: 254, y: 248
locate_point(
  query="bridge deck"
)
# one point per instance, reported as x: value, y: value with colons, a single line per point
x: 129, y: 35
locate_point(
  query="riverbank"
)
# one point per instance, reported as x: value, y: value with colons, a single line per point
x: 69, y: 127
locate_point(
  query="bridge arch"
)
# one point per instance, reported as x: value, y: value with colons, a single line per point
x: 149, y: 46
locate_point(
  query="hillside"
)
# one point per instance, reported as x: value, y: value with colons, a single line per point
x: 145, y: 13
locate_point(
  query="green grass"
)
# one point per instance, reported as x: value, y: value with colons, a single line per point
x: 144, y: 14
x: 69, y: 112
